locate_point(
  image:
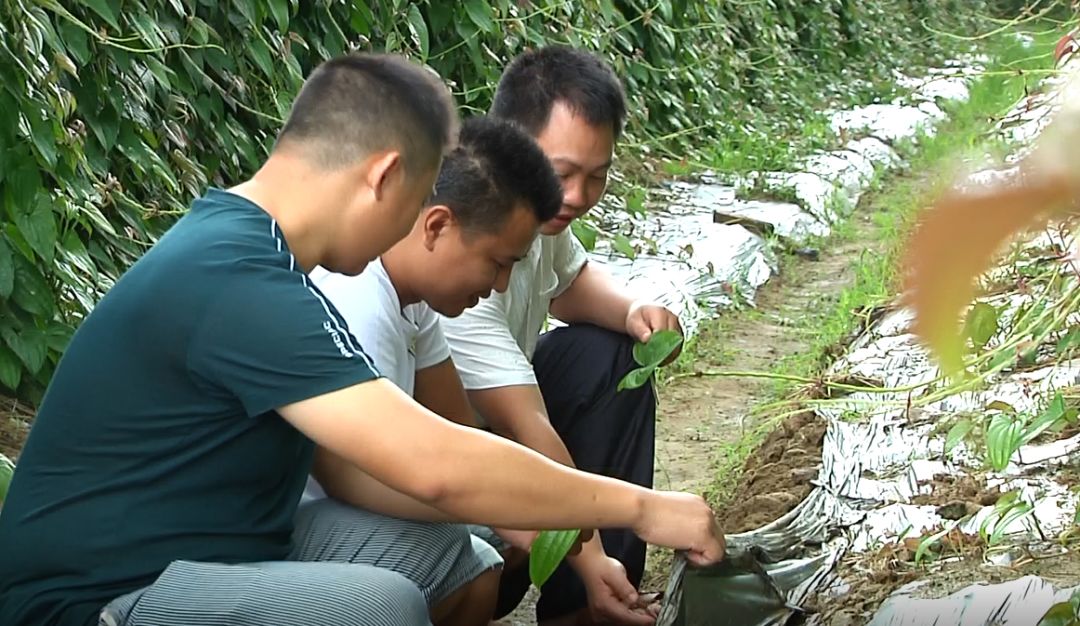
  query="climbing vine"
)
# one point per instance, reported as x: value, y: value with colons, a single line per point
x: 116, y: 113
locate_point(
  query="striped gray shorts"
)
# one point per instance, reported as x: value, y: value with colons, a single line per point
x: 348, y: 567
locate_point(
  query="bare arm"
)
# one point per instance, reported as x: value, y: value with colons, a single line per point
x: 456, y: 476
x: 518, y: 412
x: 345, y: 482
x: 593, y: 297
x: 439, y: 389
x: 456, y: 473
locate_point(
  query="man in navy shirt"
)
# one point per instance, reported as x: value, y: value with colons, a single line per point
x: 162, y: 475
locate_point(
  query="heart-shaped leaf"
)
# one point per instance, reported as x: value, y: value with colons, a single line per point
x: 649, y: 356
x: 10, y: 368
x: 548, y: 550
x: 635, y: 378
x: 29, y: 344
x: 981, y: 324
x: 658, y: 348
x: 585, y: 233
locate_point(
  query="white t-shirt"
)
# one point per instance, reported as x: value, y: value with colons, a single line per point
x: 400, y: 340
x: 493, y: 342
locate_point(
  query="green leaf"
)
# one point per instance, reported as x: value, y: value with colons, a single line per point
x: 928, y: 542
x: 957, y: 434
x: 41, y: 133
x: 649, y: 356
x: 636, y: 378
x: 39, y: 228
x: 480, y: 13
x: 419, y: 31
x: 1060, y: 614
x: 29, y: 345
x: 31, y: 292
x: 548, y: 550
x: 7, y: 470
x: 440, y: 16
x: 7, y: 269
x: 1068, y: 341
x: 585, y: 233
x: 981, y: 324
x: 280, y: 10
x: 22, y: 185
x: 247, y: 10
x: 102, y: 8
x: 1002, y: 440
x: 1052, y: 414
x: 58, y: 336
x: 1001, y: 405
x: 622, y: 245
x: 10, y: 368
x: 635, y: 202
x: 260, y: 53
x: 76, y: 41
x: 658, y: 348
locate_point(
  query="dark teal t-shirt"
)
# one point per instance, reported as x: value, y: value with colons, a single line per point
x: 158, y: 439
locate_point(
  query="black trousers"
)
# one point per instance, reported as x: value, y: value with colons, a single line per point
x: 609, y: 433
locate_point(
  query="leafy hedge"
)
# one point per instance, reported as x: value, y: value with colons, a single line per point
x: 118, y: 112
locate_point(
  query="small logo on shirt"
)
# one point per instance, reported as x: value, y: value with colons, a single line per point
x: 336, y: 337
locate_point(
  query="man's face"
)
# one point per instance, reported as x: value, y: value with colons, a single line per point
x: 467, y: 266
x: 581, y: 155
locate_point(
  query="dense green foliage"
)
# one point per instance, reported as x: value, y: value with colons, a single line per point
x: 119, y: 112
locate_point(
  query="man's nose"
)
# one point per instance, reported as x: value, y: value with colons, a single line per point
x: 574, y: 193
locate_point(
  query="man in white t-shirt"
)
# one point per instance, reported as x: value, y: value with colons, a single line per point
x: 493, y: 192
x: 556, y: 392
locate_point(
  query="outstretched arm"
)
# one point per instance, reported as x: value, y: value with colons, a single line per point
x: 478, y: 477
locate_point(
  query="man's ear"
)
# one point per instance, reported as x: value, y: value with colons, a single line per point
x: 436, y: 221
x: 382, y: 170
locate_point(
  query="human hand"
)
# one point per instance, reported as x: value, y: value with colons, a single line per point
x: 612, y: 597
x: 645, y: 318
x: 684, y: 522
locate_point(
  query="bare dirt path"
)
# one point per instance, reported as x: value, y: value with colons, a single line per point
x: 702, y: 419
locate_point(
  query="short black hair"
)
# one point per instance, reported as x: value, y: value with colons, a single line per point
x: 355, y: 105
x: 493, y: 170
x: 537, y: 79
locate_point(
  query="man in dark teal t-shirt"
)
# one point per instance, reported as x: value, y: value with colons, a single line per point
x: 161, y: 478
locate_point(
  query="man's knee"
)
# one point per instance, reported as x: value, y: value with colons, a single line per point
x: 382, y: 597
x: 584, y: 357
x: 589, y: 340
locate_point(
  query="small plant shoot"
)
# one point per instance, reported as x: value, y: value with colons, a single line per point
x: 548, y: 550
x: 649, y: 356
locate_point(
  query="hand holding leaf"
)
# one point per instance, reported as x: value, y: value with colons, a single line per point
x: 649, y: 356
